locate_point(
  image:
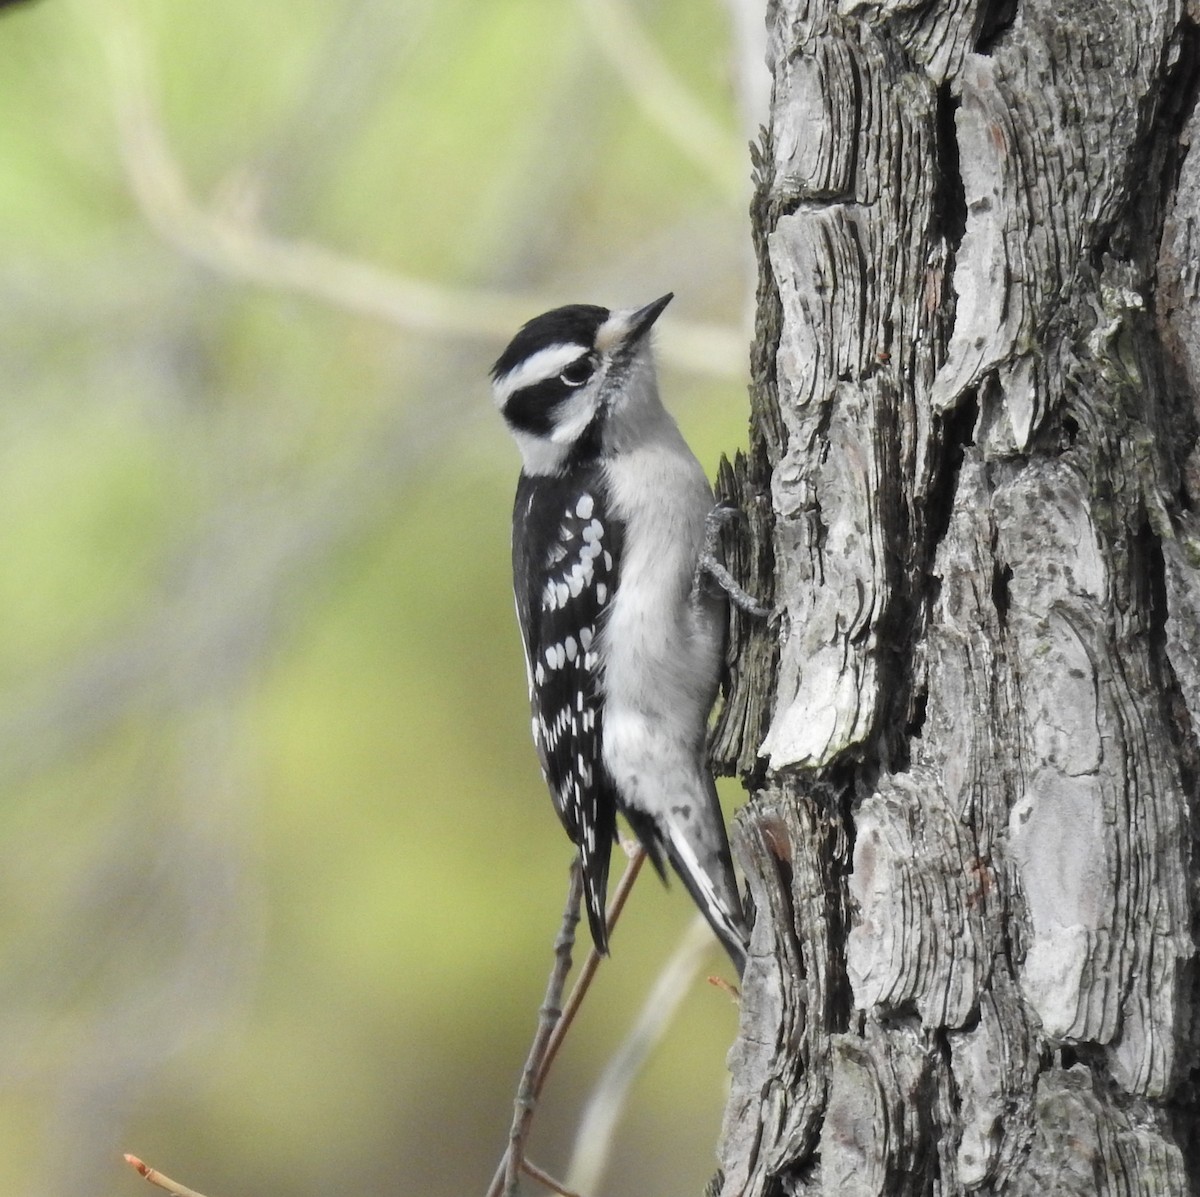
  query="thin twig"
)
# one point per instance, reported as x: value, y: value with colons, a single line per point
x: 570, y: 1009
x: 544, y: 1178
x: 592, y: 963
x: 157, y: 1178
x: 548, y: 1017
x: 593, y: 1139
x: 730, y: 991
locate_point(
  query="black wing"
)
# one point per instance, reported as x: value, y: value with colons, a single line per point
x: 566, y: 554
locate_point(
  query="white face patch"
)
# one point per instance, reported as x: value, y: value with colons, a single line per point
x: 538, y: 455
x: 538, y: 367
x: 573, y: 416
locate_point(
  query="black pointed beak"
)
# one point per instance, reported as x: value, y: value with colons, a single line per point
x: 642, y: 320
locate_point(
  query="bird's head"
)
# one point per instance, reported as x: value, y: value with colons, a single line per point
x: 576, y: 381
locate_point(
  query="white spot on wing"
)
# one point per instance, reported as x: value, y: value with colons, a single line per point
x: 583, y: 508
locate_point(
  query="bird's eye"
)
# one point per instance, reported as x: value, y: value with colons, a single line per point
x: 577, y: 373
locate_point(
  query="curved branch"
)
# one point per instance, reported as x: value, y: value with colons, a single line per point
x: 594, y: 1138
x: 662, y: 97
x: 226, y: 239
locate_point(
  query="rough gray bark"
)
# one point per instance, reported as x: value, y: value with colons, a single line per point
x: 973, y: 736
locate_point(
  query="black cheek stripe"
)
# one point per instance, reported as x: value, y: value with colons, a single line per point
x: 532, y: 408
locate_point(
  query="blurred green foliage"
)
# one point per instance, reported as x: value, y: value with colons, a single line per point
x: 280, y: 876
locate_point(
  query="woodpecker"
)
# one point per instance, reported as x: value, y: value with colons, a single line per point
x: 621, y: 601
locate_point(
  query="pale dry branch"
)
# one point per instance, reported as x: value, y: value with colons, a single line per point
x: 160, y: 1181
x: 548, y: 1017
x: 225, y: 238
x: 594, y: 1138
x: 505, y: 1172
x: 544, y: 1178
x: 748, y: 57
x: 662, y: 97
x: 592, y: 963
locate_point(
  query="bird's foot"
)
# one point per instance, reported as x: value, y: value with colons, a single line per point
x: 710, y: 564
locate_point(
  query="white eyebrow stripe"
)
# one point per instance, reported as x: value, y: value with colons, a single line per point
x: 538, y: 367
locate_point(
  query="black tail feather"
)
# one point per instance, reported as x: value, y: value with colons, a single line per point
x: 594, y: 867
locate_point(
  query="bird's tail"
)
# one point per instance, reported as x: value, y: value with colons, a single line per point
x: 593, y: 864
x: 594, y: 834
x: 693, y: 834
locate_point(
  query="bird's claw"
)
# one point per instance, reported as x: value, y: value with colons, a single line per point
x: 710, y: 564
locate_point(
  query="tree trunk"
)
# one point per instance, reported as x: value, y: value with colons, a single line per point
x: 972, y: 738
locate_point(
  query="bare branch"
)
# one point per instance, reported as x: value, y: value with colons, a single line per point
x: 662, y: 96
x: 505, y: 1172
x: 544, y: 1178
x: 592, y: 963
x: 748, y: 54
x: 548, y: 1016
x: 594, y: 1138
x: 225, y: 239
x: 159, y: 1180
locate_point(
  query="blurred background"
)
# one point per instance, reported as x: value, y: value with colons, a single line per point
x: 280, y: 875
